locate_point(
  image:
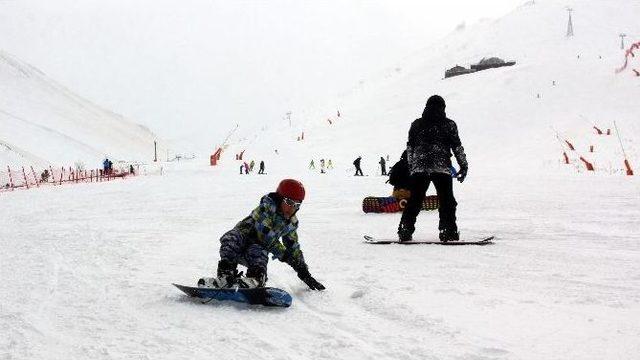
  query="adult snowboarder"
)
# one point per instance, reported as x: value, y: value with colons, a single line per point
x: 356, y: 163
x: 252, y: 239
x: 261, y: 171
x: 432, y: 138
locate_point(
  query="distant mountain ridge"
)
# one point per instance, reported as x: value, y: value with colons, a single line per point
x: 42, y: 122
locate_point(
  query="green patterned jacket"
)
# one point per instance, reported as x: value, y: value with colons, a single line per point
x: 266, y: 225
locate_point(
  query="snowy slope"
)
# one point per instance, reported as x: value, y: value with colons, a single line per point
x: 561, y: 282
x: 42, y: 123
x: 498, y: 111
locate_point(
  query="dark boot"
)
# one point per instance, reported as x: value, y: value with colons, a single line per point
x: 405, y: 232
x: 449, y: 235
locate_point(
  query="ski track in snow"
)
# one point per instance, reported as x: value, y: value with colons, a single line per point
x: 87, y: 272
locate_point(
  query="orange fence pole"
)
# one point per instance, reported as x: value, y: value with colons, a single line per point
x: 570, y: 145
x: 10, y: 178
x: 24, y: 174
x: 34, y: 177
x: 587, y: 164
x: 628, y: 166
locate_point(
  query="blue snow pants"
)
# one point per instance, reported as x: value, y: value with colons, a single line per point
x: 236, y: 248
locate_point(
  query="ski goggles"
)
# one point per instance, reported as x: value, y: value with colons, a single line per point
x: 292, y: 203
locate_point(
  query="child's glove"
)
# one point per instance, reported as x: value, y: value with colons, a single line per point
x: 312, y: 283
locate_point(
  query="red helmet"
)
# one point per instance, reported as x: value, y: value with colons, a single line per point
x: 291, y: 189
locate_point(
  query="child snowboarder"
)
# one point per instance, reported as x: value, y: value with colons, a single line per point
x: 399, y: 177
x: 252, y: 239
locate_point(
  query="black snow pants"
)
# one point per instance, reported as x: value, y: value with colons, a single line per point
x: 418, y: 184
x: 235, y: 248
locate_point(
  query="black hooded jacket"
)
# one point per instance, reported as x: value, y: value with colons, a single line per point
x: 432, y: 138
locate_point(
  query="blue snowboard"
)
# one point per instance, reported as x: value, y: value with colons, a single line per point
x: 266, y: 296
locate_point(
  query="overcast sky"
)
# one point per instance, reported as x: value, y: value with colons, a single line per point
x: 190, y: 69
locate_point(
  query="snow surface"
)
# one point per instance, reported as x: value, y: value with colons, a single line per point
x: 87, y: 269
x: 91, y: 278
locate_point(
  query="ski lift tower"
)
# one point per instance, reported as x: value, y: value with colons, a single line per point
x: 622, y: 41
x: 570, y: 24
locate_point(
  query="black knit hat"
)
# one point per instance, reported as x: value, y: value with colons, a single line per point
x: 436, y: 102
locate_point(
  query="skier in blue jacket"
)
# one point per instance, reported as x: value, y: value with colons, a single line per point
x: 253, y: 238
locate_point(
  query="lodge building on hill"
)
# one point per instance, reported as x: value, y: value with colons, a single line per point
x: 457, y: 70
x: 492, y: 62
x: 485, y: 63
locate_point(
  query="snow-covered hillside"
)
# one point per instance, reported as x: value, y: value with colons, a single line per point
x: 562, y: 280
x: 43, y: 123
x: 559, y: 84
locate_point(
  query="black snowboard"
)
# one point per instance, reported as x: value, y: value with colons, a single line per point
x: 371, y: 240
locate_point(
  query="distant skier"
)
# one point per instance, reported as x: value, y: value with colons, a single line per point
x: 312, y: 165
x: 252, y: 239
x: 329, y: 164
x: 383, y: 166
x: 251, y: 165
x: 322, y: 166
x: 431, y: 140
x: 356, y: 163
x: 261, y: 171
x: 246, y: 168
x: 105, y: 166
x: 44, y: 176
